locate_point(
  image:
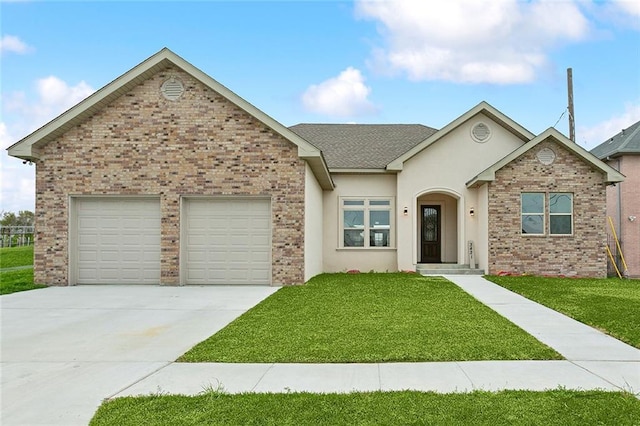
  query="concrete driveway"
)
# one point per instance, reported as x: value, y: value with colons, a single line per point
x: 64, y: 349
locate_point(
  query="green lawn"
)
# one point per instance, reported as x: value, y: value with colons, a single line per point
x: 369, y: 318
x: 12, y: 281
x: 559, y: 407
x: 16, y: 256
x: 611, y: 305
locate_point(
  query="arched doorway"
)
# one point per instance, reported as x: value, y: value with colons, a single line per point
x: 437, y: 227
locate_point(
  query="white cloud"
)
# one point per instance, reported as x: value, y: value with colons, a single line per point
x: 471, y: 41
x: 53, y: 97
x: 590, y: 137
x: 9, y: 43
x: 631, y: 7
x: 17, y: 183
x: 343, y: 96
x: 22, y: 115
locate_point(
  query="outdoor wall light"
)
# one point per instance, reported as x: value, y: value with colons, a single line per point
x: 632, y: 218
x: 405, y: 211
x: 471, y: 211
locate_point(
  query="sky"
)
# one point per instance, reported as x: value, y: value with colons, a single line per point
x: 387, y: 61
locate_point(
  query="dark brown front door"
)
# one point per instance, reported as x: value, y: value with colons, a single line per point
x: 430, y: 234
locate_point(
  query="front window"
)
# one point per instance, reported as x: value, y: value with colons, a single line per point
x: 366, y: 222
x: 560, y: 213
x: 532, y: 213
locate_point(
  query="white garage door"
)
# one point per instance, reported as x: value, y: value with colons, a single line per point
x: 118, y: 240
x: 228, y: 241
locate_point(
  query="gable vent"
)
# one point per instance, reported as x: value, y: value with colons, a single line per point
x: 480, y: 132
x: 546, y: 156
x: 172, y: 89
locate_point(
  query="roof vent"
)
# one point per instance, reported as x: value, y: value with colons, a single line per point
x: 172, y: 89
x: 481, y: 132
x: 546, y: 156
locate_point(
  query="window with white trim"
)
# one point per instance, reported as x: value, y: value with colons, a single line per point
x: 366, y: 222
x: 534, y: 213
x: 560, y: 213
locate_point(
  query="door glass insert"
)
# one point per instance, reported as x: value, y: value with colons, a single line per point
x: 430, y: 224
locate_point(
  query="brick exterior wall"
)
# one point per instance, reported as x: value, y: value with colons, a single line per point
x: 627, y: 194
x: 581, y: 254
x: 142, y: 143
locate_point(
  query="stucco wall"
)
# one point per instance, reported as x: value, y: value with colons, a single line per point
x: 580, y: 254
x: 145, y: 144
x: 445, y: 167
x: 313, y: 226
x: 338, y: 259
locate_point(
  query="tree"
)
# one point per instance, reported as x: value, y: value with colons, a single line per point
x: 24, y: 218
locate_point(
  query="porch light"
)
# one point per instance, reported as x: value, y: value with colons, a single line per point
x: 471, y: 211
x: 405, y: 211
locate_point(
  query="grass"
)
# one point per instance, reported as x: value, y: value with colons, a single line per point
x: 369, y: 318
x: 558, y: 407
x: 16, y: 256
x: 611, y: 305
x: 13, y: 281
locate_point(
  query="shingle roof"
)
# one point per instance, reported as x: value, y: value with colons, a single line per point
x: 625, y: 142
x: 362, y: 146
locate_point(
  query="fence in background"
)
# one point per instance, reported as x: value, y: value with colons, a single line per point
x: 11, y: 236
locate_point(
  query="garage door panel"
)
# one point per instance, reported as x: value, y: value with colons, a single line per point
x: 118, y: 240
x: 235, y: 234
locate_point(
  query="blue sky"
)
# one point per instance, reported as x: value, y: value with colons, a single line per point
x: 404, y: 61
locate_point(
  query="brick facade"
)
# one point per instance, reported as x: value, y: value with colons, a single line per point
x: 145, y: 144
x: 580, y: 254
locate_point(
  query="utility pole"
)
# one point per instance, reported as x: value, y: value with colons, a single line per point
x: 572, y: 122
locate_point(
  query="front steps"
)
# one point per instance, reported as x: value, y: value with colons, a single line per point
x: 446, y: 269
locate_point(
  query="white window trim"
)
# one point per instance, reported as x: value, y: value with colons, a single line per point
x: 366, y: 207
x: 546, y: 214
x: 570, y: 214
x: 544, y: 207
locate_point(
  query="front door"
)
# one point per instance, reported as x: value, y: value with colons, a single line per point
x: 430, y: 234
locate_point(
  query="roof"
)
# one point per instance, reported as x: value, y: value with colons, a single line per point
x: 481, y: 108
x: 363, y: 146
x: 625, y: 142
x: 28, y: 147
x: 489, y: 174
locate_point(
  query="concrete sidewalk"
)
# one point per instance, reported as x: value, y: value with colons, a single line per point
x: 594, y: 361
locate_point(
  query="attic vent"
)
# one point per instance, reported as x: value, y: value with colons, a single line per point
x: 546, y: 156
x: 172, y: 89
x: 480, y: 132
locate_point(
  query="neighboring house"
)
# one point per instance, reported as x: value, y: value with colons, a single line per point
x: 166, y: 176
x: 622, y: 152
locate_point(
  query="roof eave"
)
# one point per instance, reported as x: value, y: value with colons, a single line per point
x: 319, y: 168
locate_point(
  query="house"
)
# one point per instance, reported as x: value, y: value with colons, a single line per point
x: 166, y: 176
x: 622, y: 152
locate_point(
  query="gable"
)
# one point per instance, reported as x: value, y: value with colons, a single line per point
x: 482, y: 108
x: 29, y: 147
x: 610, y: 175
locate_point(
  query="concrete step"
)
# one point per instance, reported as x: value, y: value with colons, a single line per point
x: 447, y: 269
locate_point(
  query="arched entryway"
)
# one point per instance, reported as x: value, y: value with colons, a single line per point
x: 437, y: 227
